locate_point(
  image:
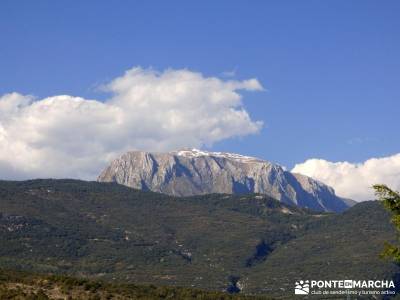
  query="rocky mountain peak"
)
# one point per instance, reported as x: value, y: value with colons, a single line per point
x: 194, y: 153
x: 190, y: 172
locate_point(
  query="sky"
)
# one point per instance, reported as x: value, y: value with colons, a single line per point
x: 311, y: 85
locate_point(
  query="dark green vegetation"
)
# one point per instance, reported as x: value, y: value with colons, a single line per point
x: 250, y: 243
x: 391, y: 201
x: 19, y: 285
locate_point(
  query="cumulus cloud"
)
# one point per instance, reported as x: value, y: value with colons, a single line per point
x: 354, y: 180
x: 66, y: 136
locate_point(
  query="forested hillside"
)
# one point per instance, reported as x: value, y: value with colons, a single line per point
x: 243, y: 243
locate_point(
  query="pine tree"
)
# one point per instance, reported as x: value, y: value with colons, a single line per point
x: 391, y: 201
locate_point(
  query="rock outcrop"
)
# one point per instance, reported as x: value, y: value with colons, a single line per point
x: 196, y: 172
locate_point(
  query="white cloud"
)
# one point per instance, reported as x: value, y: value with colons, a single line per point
x: 354, y: 180
x: 231, y: 73
x: 66, y: 136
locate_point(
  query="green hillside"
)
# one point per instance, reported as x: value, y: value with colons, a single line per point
x: 21, y: 285
x: 215, y: 242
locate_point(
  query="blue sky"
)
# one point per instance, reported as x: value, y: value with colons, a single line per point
x: 331, y: 69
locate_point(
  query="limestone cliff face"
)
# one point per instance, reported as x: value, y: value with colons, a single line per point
x: 195, y: 172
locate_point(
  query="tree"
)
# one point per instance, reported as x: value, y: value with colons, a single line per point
x: 391, y: 201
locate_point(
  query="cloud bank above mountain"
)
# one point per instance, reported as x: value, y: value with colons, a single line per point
x: 354, y: 180
x: 67, y: 136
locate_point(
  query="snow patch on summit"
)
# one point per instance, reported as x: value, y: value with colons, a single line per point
x: 199, y: 153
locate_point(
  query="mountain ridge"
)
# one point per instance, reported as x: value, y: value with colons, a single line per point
x: 215, y: 242
x: 197, y: 172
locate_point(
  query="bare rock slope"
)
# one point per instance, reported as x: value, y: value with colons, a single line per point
x: 196, y: 172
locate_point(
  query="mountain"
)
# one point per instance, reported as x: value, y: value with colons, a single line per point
x: 195, y: 172
x: 248, y: 243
